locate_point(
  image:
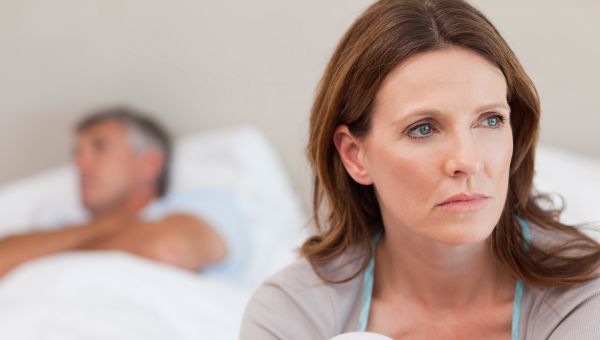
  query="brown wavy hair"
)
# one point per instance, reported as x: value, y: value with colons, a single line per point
x: 347, y: 214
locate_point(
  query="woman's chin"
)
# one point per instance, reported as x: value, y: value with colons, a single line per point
x: 461, y: 235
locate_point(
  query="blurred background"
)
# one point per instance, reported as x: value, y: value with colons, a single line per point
x: 199, y: 65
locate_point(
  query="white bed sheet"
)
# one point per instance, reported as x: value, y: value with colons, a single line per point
x: 113, y: 295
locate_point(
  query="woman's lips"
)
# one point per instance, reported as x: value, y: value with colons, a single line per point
x: 464, y: 205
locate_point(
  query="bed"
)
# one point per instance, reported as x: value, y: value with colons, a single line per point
x: 114, y: 295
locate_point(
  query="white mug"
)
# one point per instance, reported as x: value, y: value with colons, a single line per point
x: 360, y: 336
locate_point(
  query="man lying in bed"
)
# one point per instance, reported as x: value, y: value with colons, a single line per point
x: 122, y: 158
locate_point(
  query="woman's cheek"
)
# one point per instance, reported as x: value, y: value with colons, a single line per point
x: 496, y: 151
x: 410, y: 179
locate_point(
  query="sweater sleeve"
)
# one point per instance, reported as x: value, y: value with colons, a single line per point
x: 581, y: 323
x: 294, y: 305
x: 274, y: 314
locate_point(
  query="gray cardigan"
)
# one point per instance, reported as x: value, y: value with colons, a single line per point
x: 296, y: 304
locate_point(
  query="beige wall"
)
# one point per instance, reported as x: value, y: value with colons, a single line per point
x: 558, y: 42
x: 205, y: 64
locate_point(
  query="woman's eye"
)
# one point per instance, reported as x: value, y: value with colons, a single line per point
x: 420, y: 131
x: 494, y: 121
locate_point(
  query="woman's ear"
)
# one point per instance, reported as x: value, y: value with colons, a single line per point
x: 351, y: 152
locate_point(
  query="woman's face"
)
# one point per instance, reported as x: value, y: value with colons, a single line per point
x: 440, y: 127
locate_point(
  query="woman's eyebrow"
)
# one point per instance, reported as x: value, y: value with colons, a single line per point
x: 427, y: 112
x: 413, y: 115
x: 493, y: 106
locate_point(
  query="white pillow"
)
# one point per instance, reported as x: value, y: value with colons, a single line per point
x: 240, y: 160
x: 573, y: 176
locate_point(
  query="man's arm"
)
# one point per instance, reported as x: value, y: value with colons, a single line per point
x: 17, y: 249
x: 180, y: 240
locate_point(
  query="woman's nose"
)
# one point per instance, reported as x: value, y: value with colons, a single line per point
x: 463, y: 158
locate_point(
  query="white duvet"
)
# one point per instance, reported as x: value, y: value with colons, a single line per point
x: 113, y: 295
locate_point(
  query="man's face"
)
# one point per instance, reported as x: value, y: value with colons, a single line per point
x: 108, y: 167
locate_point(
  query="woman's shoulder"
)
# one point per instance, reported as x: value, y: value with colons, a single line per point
x: 296, y: 303
x: 562, y: 313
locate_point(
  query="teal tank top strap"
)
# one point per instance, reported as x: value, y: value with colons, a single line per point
x: 363, y: 317
x: 519, y: 288
x: 516, y: 313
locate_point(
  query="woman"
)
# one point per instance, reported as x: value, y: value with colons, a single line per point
x: 422, y: 139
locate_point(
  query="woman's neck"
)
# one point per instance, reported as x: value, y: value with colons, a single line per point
x: 439, y: 276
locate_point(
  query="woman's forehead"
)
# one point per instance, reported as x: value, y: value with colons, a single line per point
x: 442, y: 79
